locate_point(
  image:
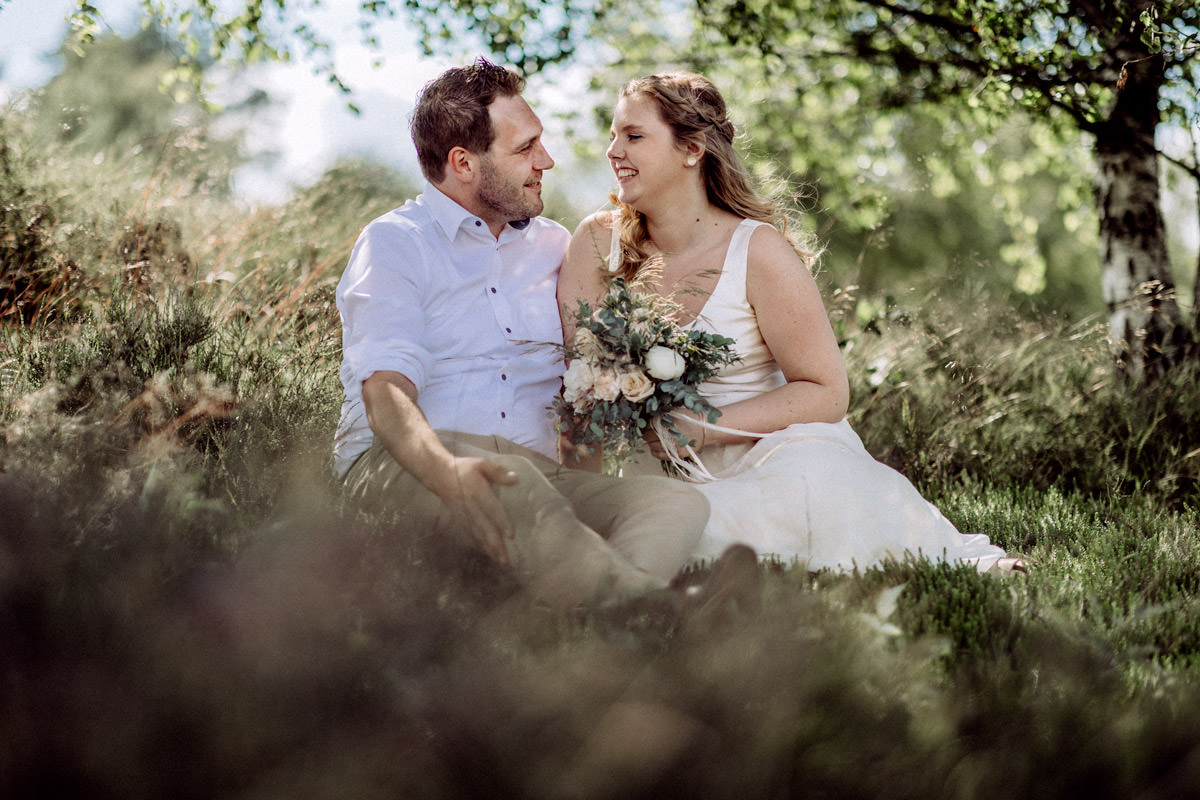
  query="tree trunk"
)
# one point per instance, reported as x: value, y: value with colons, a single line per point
x: 1145, y: 326
x: 1196, y: 282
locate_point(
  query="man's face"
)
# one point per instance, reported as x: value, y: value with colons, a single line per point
x: 510, y: 184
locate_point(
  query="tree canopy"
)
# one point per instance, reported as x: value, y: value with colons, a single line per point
x: 1117, y: 73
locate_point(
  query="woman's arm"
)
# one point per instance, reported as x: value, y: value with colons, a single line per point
x: 795, y: 326
x: 582, y: 278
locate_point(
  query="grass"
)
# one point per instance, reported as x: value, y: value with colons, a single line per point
x: 188, y: 608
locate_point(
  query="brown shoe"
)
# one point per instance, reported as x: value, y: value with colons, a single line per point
x: 730, y: 591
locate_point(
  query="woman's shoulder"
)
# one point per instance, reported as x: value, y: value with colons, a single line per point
x: 598, y: 222
x: 774, y: 266
x: 761, y: 231
x: 592, y: 239
x: 581, y: 273
x: 769, y: 247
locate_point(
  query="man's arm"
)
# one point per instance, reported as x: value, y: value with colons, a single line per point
x: 464, y: 484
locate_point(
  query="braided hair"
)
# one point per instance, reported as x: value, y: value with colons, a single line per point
x: 695, y: 111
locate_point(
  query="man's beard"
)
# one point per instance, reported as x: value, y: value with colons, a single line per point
x: 507, y: 199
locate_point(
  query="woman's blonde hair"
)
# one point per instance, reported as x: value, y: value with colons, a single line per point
x: 695, y: 111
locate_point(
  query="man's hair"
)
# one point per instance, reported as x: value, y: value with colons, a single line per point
x: 452, y: 111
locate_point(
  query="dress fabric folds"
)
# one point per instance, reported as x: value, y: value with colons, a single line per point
x: 811, y: 492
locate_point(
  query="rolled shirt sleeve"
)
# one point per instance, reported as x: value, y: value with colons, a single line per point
x: 381, y: 306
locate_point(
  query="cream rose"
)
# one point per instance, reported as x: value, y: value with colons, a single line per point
x: 664, y: 363
x: 578, y: 381
x: 607, y: 385
x: 588, y: 345
x: 635, y: 385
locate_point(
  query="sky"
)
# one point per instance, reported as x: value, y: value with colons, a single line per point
x: 310, y: 126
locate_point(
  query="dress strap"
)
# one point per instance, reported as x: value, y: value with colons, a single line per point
x: 739, y: 248
x: 614, y: 250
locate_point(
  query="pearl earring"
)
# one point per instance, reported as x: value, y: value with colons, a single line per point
x: 691, y: 162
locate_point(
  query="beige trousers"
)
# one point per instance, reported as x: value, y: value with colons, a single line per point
x: 579, y: 537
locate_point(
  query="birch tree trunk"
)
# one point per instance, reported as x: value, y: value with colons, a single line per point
x: 1145, y: 325
x: 1196, y: 283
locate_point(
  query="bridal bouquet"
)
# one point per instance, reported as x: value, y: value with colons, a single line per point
x: 630, y: 362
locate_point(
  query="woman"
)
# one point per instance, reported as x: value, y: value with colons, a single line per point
x: 782, y: 469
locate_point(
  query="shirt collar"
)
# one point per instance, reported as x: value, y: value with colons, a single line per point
x: 451, y: 217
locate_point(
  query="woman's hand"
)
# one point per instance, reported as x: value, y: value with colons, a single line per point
x: 686, y: 423
x: 650, y: 437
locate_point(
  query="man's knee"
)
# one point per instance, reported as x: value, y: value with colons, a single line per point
x: 677, y: 498
x: 531, y: 492
x: 522, y: 467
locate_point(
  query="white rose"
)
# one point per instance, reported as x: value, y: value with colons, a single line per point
x: 635, y: 385
x: 664, y: 363
x: 607, y: 385
x: 578, y: 380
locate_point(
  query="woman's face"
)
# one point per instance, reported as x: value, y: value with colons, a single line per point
x: 643, y: 152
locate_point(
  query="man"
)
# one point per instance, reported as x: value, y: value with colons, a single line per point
x: 449, y: 365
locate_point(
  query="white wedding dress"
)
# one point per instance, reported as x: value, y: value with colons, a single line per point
x: 811, y: 492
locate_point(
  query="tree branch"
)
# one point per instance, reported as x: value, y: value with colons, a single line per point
x: 1028, y: 76
x: 1193, y: 170
x: 939, y: 21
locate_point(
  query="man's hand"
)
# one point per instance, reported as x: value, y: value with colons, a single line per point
x: 467, y: 490
x: 464, y: 484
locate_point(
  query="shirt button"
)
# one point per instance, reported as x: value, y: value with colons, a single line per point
x: 493, y: 290
x: 478, y: 224
x: 503, y: 377
x: 503, y: 415
x: 508, y: 330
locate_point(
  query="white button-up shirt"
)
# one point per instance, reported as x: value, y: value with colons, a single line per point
x: 470, y: 319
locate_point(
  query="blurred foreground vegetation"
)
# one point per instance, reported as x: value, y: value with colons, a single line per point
x: 187, y: 608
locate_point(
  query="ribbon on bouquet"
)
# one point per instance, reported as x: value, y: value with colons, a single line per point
x: 688, y: 462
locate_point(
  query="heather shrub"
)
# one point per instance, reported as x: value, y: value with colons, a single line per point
x: 189, y: 607
x: 1018, y: 402
x: 35, y: 275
